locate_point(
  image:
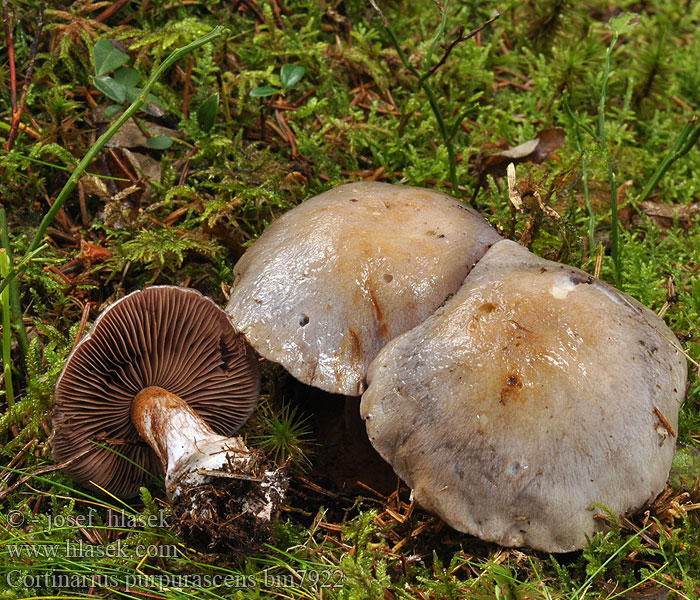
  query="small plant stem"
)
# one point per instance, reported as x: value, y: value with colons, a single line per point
x: 581, y: 591
x: 53, y: 166
x: 141, y: 127
x: 589, y: 207
x: 6, y: 332
x: 584, y: 169
x: 113, y: 128
x: 687, y: 138
x: 436, y: 38
x: 227, y: 107
x: 447, y: 133
x: 21, y: 267
x: 15, y: 304
x: 432, y: 100
x: 106, y: 136
x: 602, y: 141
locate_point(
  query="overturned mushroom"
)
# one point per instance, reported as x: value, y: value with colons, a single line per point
x: 334, y: 279
x: 534, y: 393
x: 159, y: 384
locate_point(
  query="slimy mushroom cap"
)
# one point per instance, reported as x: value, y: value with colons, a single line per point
x: 334, y: 279
x: 535, y: 392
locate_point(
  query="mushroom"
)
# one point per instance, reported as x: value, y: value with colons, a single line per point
x: 334, y: 279
x: 535, y: 393
x: 158, y: 385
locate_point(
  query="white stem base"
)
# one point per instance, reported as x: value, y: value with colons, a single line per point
x: 203, y: 467
x: 182, y: 440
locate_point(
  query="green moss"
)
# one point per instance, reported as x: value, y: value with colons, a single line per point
x: 357, y: 111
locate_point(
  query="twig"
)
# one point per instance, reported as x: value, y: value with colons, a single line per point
x: 9, y: 42
x: 110, y: 10
x: 664, y: 422
x: 81, y: 327
x: 17, y: 458
x: 83, y: 205
x: 599, y: 261
x: 40, y: 471
x: 18, y: 108
x: 289, y: 134
x: 277, y: 13
x: 462, y: 38
x: 252, y: 6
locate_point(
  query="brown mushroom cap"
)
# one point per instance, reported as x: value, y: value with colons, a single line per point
x: 334, y: 279
x: 165, y: 336
x: 533, y: 393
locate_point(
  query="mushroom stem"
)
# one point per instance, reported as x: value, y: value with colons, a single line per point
x: 214, y: 482
x: 182, y: 440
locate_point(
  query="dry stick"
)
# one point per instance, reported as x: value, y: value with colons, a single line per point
x: 461, y: 38
x: 251, y: 4
x: 40, y: 471
x: 10, y: 55
x: 81, y: 327
x: 109, y: 11
x: 17, y: 110
x: 17, y: 459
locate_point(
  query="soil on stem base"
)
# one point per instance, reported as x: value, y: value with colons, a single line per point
x: 231, y: 511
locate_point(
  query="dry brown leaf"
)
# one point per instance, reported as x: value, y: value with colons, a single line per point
x: 665, y: 215
x: 534, y: 151
x: 130, y: 136
x: 147, y: 167
x: 91, y: 253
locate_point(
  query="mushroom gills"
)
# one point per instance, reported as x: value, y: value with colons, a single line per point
x: 162, y: 380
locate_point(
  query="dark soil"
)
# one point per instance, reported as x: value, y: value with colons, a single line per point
x: 224, y: 514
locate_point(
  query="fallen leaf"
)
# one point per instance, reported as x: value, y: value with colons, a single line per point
x: 665, y: 215
x: 534, y: 151
x: 130, y: 136
x: 146, y: 167
x: 90, y: 253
